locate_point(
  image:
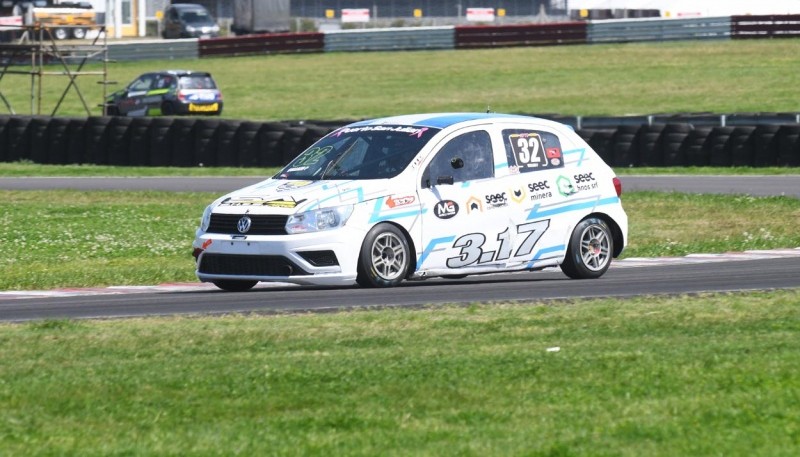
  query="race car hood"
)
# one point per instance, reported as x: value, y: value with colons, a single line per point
x: 282, y: 196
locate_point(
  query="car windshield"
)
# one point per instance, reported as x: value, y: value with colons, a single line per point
x: 197, y: 82
x: 364, y: 152
x: 199, y: 17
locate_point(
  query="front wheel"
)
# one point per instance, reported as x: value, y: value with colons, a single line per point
x: 590, y: 250
x: 233, y: 285
x: 385, y: 257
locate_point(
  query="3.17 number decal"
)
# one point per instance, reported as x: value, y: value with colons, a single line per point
x: 471, y: 245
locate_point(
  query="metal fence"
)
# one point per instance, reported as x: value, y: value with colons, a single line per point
x: 468, y: 37
x: 639, y: 30
x: 151, y: 50
x: 395, y: 39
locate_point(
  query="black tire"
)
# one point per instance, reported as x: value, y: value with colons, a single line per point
x: 590, y: 250
x: 232, y: 285
x: 385, y: 257
x: 167, y: 109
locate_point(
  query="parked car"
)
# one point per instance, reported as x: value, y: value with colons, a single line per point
x: 188, y: 20
x: 412, y: 197
x: 169, y: 92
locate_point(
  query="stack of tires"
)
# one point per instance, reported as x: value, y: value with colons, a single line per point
x: 190, y: 142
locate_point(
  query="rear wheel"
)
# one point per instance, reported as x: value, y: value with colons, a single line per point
x: 385, y: 257
x: 590, y: 250
x: 79, y: 33
x: 232, y: 285
x: 167, y: 109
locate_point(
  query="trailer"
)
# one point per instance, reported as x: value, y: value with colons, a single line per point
x: 260, y: 16
x: 65, y: 19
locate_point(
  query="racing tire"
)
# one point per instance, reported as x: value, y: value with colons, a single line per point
x: 232, y: 285
x: 385, y: 257
x: 590, y: 250
x: 167, y: 109
x: 79, y: 33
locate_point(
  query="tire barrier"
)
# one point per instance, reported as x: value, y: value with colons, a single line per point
x: 191, y: 142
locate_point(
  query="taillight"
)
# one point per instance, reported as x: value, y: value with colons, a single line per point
x: 618, y: 186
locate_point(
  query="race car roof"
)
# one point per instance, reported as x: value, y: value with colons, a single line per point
x: 436, y: 120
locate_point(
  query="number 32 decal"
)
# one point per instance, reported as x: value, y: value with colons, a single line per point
x: 472, y: 251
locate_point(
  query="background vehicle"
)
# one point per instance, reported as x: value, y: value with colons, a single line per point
x: 167, y: 92
x: 260, y: 16
x: 410, y: 197
x: 188, y: 20
x: 66, y: 19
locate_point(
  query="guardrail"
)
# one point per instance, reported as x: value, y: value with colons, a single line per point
x: 271, y: 43
x: 468, y: 37
x: 151, y: 50
x: 471, y: 37
x: 395, y: 39
x: 641, y: 30
x: 772, y: 26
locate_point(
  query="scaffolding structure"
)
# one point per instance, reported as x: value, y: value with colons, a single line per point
x: 36, y: 49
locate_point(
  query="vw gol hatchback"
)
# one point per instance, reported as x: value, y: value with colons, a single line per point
x: 411, y: 197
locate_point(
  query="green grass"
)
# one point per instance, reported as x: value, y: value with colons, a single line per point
x: 52, y: 239
x: 704, y: 375
x: 721, y: 77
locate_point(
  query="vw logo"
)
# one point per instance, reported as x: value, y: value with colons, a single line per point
x: 244, y: 224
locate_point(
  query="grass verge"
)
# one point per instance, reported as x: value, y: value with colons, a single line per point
x: 51, y: 239
x: 703, y: 375
x: 639, y: 78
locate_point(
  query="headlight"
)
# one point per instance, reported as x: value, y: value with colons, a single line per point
x: 206, y: 219
x: 190, y: 29
x: 318, y: 220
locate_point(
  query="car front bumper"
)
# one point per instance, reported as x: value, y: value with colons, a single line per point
x: 327, y: 258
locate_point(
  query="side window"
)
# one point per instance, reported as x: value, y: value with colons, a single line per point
x: 143, y: 83
x: 464, y: 158
x: 532, y: 150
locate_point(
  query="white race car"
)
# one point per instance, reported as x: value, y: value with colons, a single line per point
x: 418, y: 196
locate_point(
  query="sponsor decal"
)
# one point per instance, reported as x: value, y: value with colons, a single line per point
x: 393, y: 202
x: 553, y: 153
x: 258, y: 201
x: 518, y: 195
x: 498, y: 200
x: 293, y: 185
x: 474, y: 204
x: 540, y: 190
x: 565, y: 186
x: 445, y: 209
x: 412, y: 131
x: 585, y: 181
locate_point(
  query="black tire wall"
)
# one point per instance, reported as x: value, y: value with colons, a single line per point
x: 190, y: 142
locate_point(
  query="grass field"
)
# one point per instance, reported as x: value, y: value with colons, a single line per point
x: 656, y: 376
x: 721, y: 77
x: 701, y: 376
